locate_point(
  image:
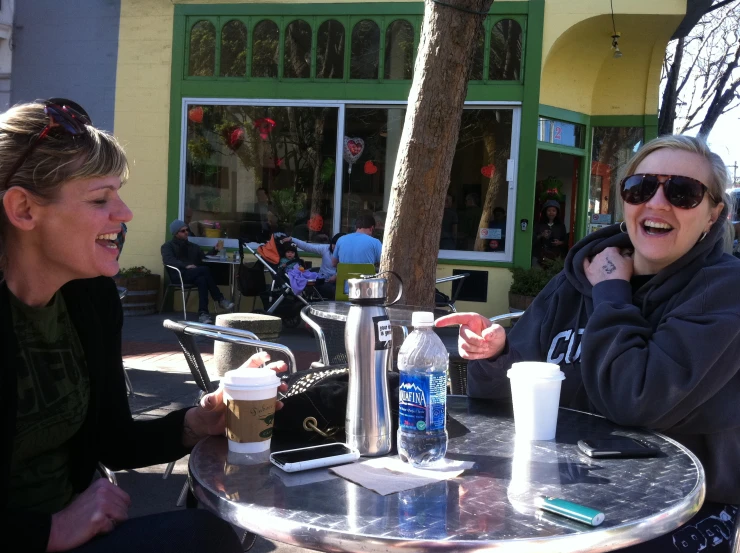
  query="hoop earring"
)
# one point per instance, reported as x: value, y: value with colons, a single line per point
x: 703, y: 236
x: 623, y: 227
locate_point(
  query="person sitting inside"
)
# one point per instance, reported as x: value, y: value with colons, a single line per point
x: 359, y: 246
x: 643, y: 320
x: 327, y: 271
x: 550, y: 235
x: 188, y: 257
x: 290, y: 257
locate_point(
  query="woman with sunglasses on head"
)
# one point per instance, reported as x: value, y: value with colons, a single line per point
x: 62, y: 384
x: 644, y: 320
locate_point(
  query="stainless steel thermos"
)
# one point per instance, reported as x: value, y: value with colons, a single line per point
x: 368, y: 342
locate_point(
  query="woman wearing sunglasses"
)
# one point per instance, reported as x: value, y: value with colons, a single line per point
x: 62, y: 385
x: 644, y: 320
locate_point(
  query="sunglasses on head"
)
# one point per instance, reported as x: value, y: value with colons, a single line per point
x: 65, y: 116
x: 682, y: 192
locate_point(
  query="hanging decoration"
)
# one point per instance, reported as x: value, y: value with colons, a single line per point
x: 370, y: 168
x: 316, y: 222
x: 233, y: 136
x: 264, y: 126
x: 196, y: 114
x: 327, y: 169
x: 550, y: 189
x: 353, y: 148
x: 488, y: 171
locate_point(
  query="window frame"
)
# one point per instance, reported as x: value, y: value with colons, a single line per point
x: 512, y: 169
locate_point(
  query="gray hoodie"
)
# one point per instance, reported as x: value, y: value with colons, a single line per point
x: 666, y: 358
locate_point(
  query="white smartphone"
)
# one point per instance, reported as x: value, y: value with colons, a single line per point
x: 305, y: 458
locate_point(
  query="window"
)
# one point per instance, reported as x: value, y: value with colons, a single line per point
x: 476, y: 70
x: 505, y: 59
x: 266, y: 166
x: 330, y: 50
x: 612, y: 149
x: 259, y: 169
x: 399, y: 50
x: 234, y: 49
x: 265, y: 46
x: 202, y: 49
x: 560, y: 132
x: 372, y: 136
x: 297, y: 60
x: 365, y: 50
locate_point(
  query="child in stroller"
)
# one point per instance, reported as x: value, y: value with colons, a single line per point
x: 280, y: 299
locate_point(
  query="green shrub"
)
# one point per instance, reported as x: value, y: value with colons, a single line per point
x: 135, y: 272
x: 531, y: 281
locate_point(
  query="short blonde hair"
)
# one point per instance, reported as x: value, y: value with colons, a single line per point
x: 55, y: 159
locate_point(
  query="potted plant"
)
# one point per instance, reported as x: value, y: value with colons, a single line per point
x: 142, y: 289
x: 526, y: 283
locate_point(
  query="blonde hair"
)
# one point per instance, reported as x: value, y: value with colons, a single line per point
x: 55, y: 159
x: 720, y: 180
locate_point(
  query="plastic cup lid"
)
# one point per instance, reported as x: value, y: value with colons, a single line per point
x: 246, y: 378
x: 535, y: 369
x: 422, y: 318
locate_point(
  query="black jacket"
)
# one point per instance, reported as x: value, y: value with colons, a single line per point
x: 108, y: 434
x: 181, y: 253
x: 666, y: 357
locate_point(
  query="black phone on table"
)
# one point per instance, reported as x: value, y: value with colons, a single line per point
x: 617, y: 447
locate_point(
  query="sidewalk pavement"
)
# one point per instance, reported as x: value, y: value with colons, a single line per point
x: 162, y: 383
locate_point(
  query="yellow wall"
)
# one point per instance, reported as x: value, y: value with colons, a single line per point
x: 499, y: 281
x: 579, y: 71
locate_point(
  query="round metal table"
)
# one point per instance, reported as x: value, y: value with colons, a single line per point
x: 488, y: 507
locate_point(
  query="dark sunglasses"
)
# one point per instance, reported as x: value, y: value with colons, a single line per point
x: 64, y: 115
x: 682, y: 192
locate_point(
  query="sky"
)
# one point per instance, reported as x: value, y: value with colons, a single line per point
x: 725, y: 139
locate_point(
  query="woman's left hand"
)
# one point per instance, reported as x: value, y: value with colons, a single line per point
x: 610, y: 264
x: 209, y: 418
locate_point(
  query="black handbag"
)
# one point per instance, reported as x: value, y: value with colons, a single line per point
x: 315, y: 406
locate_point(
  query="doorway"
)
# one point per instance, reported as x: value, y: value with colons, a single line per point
x: 557, y: 179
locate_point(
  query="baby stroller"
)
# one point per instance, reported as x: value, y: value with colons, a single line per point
x: 279, y: 299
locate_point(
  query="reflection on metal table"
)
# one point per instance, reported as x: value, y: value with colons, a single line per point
x: 229, y: 260
x: 487, y: 507
x: 399, y: 315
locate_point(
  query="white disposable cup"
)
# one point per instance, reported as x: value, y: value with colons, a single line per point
x: 255, y: 391
x: 535, y: 394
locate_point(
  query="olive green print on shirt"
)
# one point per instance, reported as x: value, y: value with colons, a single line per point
x: 53, y: 394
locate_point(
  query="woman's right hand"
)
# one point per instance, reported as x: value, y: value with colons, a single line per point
x: 95, y: 511
x: 479, y: 338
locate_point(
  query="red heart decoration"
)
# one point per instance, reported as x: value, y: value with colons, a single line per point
x: 264, y: 126
x: 488, y: 171
x: 354, y: 148
x: 370, y: 168
x: 196, y: 114
x: 236, y: 138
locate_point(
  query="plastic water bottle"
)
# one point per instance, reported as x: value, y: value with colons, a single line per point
x: 422, y: 395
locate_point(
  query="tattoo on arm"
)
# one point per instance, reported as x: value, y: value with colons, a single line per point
x: 609, y: 267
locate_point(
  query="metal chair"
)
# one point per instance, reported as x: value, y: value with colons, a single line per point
x: 330, y: 336
x: 122, y: 292
x: 458, y: 371
x: 185, y: 289
x: 186, y: 332
x: 450, y: 303
x: 735, y: 543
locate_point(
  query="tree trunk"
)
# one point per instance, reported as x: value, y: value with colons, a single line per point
x: 667, y: 118
x: 430, y: 133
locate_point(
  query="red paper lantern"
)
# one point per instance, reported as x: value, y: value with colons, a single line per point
x: 370, y: 168
x: 488, y: 171
x: 316, y: 222
x: 264, y: 126
x: 196, y: 114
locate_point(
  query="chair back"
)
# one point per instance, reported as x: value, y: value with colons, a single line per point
x: 329, y: 335
x: 443, y: 300
x: 250, y: 280
x: 350, y: 270
x: 192, y: 356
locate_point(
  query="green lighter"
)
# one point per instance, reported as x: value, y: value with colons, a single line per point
x: 570, y: 510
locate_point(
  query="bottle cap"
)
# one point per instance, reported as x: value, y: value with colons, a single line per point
x: 422, y: 318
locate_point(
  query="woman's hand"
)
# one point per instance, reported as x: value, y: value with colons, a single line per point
x: 95, y: 511
x: 479, y: 338
x: 286, y: 239
x: 209, y: 418
x: 611, y: 264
